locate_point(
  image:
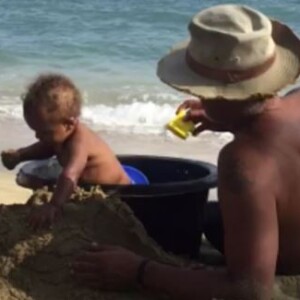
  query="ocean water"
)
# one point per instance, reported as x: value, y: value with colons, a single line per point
x: 110, y: 48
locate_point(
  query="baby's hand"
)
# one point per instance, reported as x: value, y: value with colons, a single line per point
x: 10, y: 158
x: 44, y: 216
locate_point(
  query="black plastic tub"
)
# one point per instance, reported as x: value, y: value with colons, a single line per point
x: 171, y: 207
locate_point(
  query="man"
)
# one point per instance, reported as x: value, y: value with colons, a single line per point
x: 236, y: 61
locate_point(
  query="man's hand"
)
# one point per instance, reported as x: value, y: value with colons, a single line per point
x: 44, y: 216
x: 107, y: 267
x: 10, y: 158
x: 196, y: 113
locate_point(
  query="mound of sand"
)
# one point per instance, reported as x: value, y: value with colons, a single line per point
x: 35, y: 265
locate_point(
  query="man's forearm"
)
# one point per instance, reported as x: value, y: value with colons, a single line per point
x: 180, y: 283
x: 36, y: 151
x: 187, y: 284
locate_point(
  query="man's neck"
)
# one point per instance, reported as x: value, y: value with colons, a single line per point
x: 246, y: 123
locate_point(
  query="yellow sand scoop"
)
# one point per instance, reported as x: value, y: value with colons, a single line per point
x: 179, y: 127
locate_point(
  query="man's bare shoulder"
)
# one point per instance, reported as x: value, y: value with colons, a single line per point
x: 243, y: 165
x: 246, y: 152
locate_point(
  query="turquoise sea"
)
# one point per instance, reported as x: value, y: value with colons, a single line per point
x: 109, y: 47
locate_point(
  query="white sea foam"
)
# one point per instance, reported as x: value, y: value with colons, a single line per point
x: 137, y: 117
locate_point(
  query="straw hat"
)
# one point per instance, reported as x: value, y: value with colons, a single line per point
x: 234, y: 53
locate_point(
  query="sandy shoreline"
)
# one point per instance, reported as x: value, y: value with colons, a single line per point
x: 15, y: 134
x: 10, y: 192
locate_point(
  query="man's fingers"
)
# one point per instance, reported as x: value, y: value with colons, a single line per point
x: 200, y: 128
x: 196, y: 116
x: 87, y: 278
x: 92, y: 256
x: 189, y: 104
x: 83, y: 267
x: 180, y: 107
x: 93, y: 281
x: 94, y: 247
x: 88, y: 257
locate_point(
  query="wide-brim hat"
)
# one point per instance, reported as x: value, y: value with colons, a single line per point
x: 234, y: 53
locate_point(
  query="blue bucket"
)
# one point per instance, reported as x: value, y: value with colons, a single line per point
x: 136, y: 176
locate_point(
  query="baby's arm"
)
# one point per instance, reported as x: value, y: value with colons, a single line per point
x: 38, y: 150
x: 77, y: 155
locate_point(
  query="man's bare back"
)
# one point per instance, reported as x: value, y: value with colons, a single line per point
x: 268, y: 152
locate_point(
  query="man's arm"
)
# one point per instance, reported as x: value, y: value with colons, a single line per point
x: 248, y: 205
x: 251, y: 237
x: 114, y: 268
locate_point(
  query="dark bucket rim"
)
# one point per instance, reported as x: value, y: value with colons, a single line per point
x: 162, y: 189
x: 169, y: 188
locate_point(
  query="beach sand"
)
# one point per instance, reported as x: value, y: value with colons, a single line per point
x: 10, y: 192
x: 36, y: 265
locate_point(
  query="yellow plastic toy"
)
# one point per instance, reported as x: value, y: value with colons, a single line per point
x: 179, y: 127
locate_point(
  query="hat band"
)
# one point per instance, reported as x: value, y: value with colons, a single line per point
x: 228, y: 76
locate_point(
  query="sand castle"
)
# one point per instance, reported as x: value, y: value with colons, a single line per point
x: 35, y: 265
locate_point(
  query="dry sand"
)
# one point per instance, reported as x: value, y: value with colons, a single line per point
x: 35, y: 265
x: 10, y: 192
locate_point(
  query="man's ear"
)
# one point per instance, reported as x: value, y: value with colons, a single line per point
x: 71, y: 122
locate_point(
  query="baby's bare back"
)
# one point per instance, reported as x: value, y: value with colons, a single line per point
x: 102, y: 165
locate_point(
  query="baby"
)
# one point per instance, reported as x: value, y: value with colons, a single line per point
x: 51, y: 108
